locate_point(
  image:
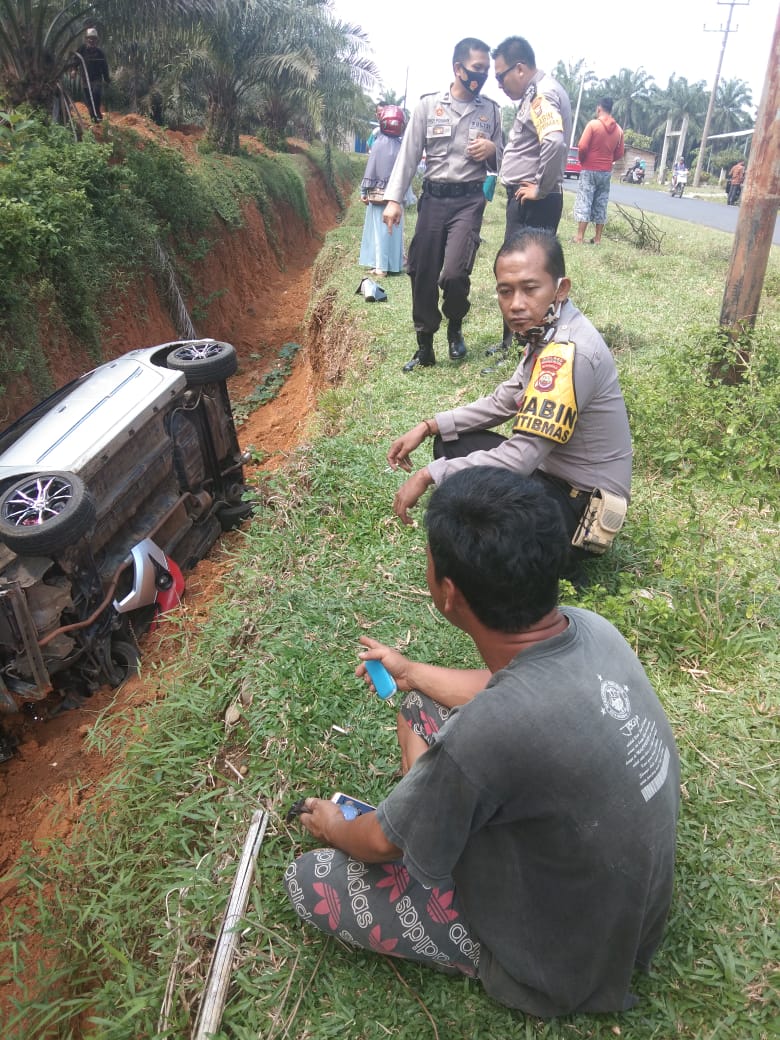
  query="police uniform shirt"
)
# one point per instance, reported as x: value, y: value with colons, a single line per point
x: 539, y: 140
x: 597, y: 452
x: 442, y: 127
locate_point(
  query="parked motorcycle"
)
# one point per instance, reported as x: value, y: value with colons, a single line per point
x: 679, y: 181
x: 634, y: 174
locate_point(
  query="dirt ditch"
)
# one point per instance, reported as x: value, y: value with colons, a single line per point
x: 262, y: 306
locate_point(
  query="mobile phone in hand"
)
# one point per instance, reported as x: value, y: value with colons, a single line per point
x: 384, y: 683
x: 351, y: 808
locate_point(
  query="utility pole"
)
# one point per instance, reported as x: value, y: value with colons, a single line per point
x: 731, y: 4
x: 757, y: 211
x: 577, y: 113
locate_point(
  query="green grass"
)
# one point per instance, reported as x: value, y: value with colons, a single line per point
x: 692, y: 583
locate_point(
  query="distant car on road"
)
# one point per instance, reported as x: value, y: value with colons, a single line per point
x: 108, y: 490
x: 573, y: 165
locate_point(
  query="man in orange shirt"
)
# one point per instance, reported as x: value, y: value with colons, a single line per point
x: 600, y: 145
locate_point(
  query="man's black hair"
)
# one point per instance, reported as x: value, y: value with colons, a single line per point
x: 463, y: 49
x: 514, y: 49
x: 554, y: 263
x: 606, y: 104
x: 500, y: 539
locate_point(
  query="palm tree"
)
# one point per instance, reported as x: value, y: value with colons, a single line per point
x: 271, y: 53
x: 630, y: 91
x: 38, y: 38
x: 732, y: 104
x: 36, y: 43
x: 680, y: 101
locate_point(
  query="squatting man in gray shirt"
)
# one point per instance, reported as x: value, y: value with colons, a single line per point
x: 531, y: 840
x: 570, y: 424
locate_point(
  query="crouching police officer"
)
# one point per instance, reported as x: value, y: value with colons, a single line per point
x: 570, y: 423
x: 460, y: 133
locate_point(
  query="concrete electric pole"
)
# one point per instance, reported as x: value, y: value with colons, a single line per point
x: 731, y: 4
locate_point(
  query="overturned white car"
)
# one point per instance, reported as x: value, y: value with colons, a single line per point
x: 108, y: 490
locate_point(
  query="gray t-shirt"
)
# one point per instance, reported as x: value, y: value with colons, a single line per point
x: 551, y: 798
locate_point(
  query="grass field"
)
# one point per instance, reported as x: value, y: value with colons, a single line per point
x: 692, y: 583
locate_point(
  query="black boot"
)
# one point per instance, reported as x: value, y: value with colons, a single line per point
x: 499, y: 354
x: 423, y: 356
x: 455, y: 341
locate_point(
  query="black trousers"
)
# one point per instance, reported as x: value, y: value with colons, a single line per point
x: 571, y: 507
x: 441, y: 256
x: 541, y: 213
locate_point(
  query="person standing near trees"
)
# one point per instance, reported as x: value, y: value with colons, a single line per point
x: 92, y: 65
x: 380, y: 250
x: 460, y: 134
x: 736, y: 178
x: 600, y: 146
x: 534, y: 160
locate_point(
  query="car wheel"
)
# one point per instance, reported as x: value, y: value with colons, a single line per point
x: 231, y: 517
x: 123, y: 661
x: 44, y: 513
x: 203, y: 361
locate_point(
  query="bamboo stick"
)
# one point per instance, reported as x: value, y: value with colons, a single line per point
x: 218, y: 980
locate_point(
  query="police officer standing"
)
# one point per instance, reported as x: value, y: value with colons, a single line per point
x: 460, y: 133
x: 534, y: 161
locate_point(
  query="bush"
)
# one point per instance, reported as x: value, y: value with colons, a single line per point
x: 685, y: 420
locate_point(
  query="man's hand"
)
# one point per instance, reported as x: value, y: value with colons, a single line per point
x: 527, y: 192
x: 482, y: 149
x: 403, y: 446
x: 410, y: 492
x: 362, y: 838
x: 393, y: 661
x: 392, y: 216
x: 319, y: 818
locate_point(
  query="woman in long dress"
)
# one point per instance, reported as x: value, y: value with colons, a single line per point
x: 379, y: 250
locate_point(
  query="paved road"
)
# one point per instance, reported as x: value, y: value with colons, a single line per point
x: 696, y: 211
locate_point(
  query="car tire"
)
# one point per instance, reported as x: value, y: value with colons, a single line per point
x: 44, y: 513
x: 203, y: 362
x: 231, y: 517
x: 123, y: 662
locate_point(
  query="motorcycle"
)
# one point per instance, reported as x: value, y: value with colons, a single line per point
x: 635, y: 174
x: 679, y: 180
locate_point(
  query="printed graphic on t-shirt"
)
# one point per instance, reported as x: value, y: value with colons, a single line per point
x: 549, y: 405
x: 545, y: 117
x: 646, y: 751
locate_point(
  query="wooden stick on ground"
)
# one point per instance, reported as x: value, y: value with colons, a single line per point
x: 218, y: 980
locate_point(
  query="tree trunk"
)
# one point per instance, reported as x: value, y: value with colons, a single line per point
x: 222, y: 122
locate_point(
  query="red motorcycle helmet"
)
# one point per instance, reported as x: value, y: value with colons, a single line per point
x: 392, y: 121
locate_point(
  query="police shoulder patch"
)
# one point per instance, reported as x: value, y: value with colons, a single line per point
x: 549, y: 405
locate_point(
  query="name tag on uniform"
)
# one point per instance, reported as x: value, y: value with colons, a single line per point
x: 439, y: 126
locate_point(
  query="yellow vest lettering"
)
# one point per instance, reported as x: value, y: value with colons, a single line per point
x: 549, y: 407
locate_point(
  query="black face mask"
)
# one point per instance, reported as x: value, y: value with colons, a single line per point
x: 475, y: 82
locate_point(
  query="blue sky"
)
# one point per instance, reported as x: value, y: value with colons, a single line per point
x: 663, y: 36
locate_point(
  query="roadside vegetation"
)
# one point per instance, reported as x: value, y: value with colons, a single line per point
x: 79, y: 216
x: 131, y: 907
